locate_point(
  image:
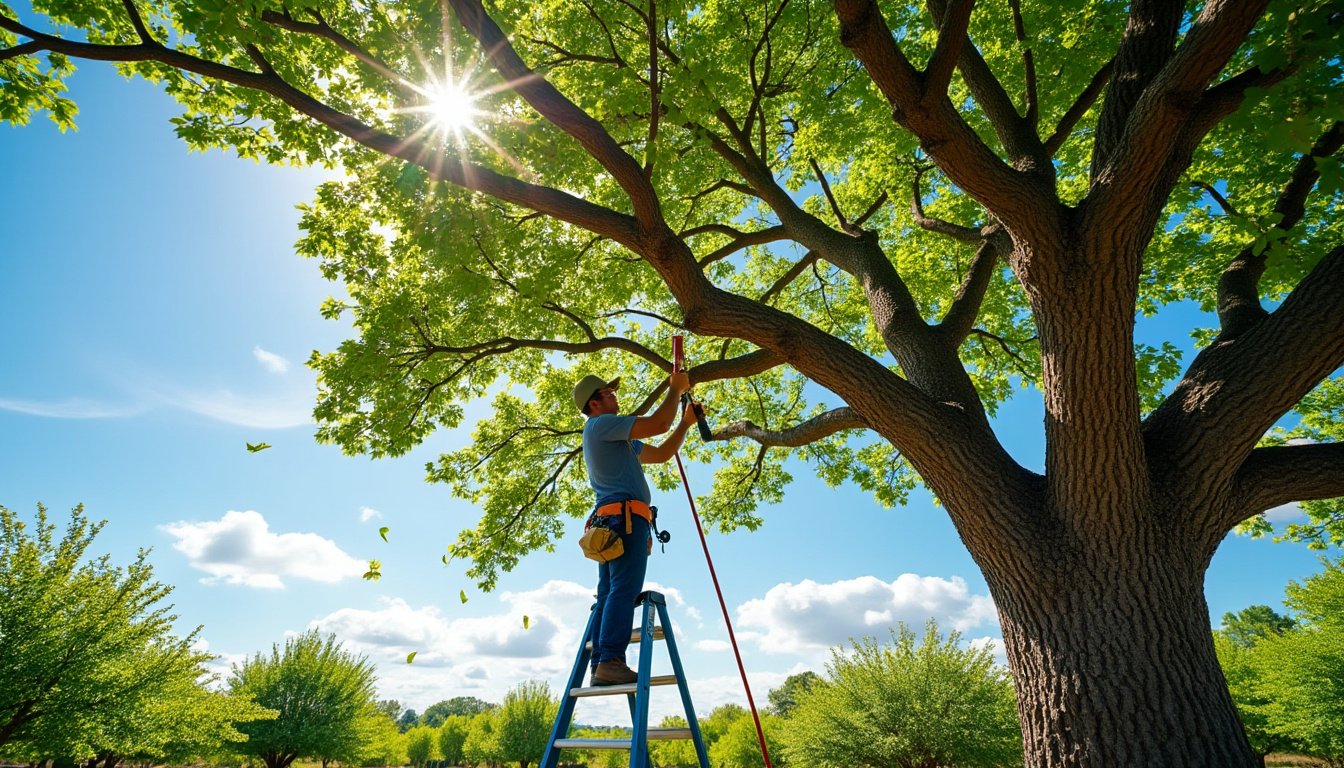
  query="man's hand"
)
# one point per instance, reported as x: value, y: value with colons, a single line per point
x: 688, y: 414
x: 679, y: 382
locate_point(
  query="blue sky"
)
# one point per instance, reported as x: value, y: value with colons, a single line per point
x: 155, y: 319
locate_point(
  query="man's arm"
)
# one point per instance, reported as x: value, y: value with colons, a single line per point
x: 660, y: 420
x: 657, y: 454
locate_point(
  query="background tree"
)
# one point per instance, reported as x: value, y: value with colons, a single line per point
x: 523, y: 724
x: 784, y: 698
x: 739, y: 746
x: 381, y: 741
x: 482, y: 744
x: 390, y: 707
x: 907, y: 704
x: 1257, y: 622
x: 88, y: 662
x: 436, y: 713
x: 408, y: 720
x: 1244, y: 682
x: 1300, y: 673
x: 674, y: 753
x: 321, y: 693
x: 422, y: 745
x: 734, y: 172
x: 452, y: 737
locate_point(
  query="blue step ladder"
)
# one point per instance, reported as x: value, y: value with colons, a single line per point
x: 637, y: 693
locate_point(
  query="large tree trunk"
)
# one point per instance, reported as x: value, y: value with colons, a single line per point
x: 1114, y: 660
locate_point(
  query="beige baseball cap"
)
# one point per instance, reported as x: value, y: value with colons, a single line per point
x: 583, y: 391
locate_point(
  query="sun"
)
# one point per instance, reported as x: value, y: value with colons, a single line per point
x: 452, y: 107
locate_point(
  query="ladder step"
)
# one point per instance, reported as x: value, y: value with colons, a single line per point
x: 634, y: 637
x: 610, y: 690
x: 661, y: 734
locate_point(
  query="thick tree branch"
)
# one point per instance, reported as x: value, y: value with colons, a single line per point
x: 1141, y: 151
x: 743, y: 240
x: 1148, y: 42
x: 951, y: 36
x: 23, y: 49
x: 322, y: 29
x: 138, y: 23
x: 1239, y: 286
x: 814, y: 429
x: 1017, y: 198
x: 954, y: 231
x: 1032, y: 111
x: 561, y: 112
x: 965, y: 307
x: 1079, y: 108
x: 830, y: 197
x: 740, y: 367
x: 1234, y: 391
x: 1278, y: 475
x: 551, y: 202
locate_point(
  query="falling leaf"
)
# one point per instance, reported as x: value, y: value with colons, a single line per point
x: 463, y: 594
x: 527, y: 622
x: 383, y: 532
x: 255, y: 447
x: 375, y: 571
x: 444, y: 559
x: 411, y: 656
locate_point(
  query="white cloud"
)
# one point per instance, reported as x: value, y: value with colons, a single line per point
x: 70, y: 408
x: 809, y: 617
x: 1286, y: 513
x: 240, y: 548
x: 270, y: 361
x: 273, y: 411
x: 369, y: 513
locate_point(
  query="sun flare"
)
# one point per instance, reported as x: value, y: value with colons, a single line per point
x: 452, y: 108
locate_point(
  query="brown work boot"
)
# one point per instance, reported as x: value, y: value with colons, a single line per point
x: 614, y: 672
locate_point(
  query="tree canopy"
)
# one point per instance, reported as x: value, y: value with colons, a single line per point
x: 321, y: 694
x: 89, y: 665
x: 923, y: 701
x: 877, y: 221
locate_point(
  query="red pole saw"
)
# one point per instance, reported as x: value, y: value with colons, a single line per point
x: 678, y: 365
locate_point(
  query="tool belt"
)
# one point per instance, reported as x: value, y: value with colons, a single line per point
x: 600, y: 540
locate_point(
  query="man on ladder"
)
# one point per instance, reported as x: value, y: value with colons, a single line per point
x: 613, y: 451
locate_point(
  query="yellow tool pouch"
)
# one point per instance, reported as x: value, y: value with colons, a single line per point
x: 600, y: 543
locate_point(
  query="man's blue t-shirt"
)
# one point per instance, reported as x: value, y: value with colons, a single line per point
x: 612, y: 459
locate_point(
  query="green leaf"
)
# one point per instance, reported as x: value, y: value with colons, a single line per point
x: 375, y: 571
x: 527, y: 622
x: 257, y: 447
x: 383, y: 532
x: 463, y: 596
x: 410, y: 657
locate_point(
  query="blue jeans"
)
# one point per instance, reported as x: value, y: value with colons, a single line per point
x: 619, y: 582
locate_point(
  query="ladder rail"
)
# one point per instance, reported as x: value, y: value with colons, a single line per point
x: 551, y: 758
x: 655, y: 625
x: 692, y: 722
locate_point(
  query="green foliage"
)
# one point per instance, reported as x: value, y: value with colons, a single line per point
x: 453, y: 736
x: 523, y: 724
x: 408, y: 720
x: 381, y: 741
x: 322, y: 694
x: 88, y: 662
x: 1287, y: 684
x: 422, y: 745
x: 482, y: 743
x: 784, y: 698
x: 907, y: 704
x: 1257, y: 622
x: 435, y: 714
x: 674, y: 753
x: 740, y: 747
